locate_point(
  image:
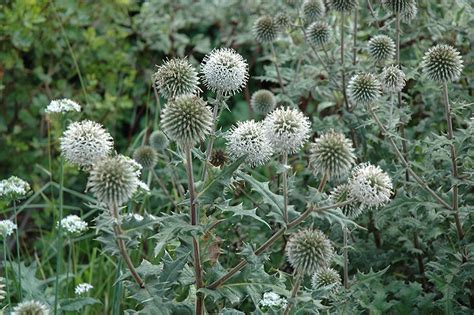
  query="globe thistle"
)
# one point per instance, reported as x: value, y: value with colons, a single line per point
x: 248, y: 138
x: 326, y: 277
x: 218, y: 158
x: 332, y: 155
x: 343, y: 6
x: 318, y: 33
x: 364, y: 88
x: 85, y: 142
x: 82, y: 288
x: 13, y: 188
x: 410, y: 11
x: 73, y: 225
x: 30, y: 308
x: 396, y: 6
x: 176, y: 77
x: 225, y: 70
x: 146, y: 156
x: 381, y: 48
x: 263, y: 102
x: 265, y: 29
x: 113, y: 180
x: 309, y: 250
x: 2, y: 289
x: 158, y: 140
x: 287, y: 129
x: 393, y: 79
x: 187, y: 120
x: 313, y: 9
x: 442, y: 63
x: 369, y: 185
x: 62, y: 106
x: 342, y: 194
x: 282, y: 21
x: 6, y: 228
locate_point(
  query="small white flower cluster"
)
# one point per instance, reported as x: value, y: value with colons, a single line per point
x: 13, y: 188
x: 7, y: 227
x: 62, y: 106
x: 73, y: 224
x: 83, y: 288
x: 134, y: 216
x: 370, y: 185
x: 271, y: 299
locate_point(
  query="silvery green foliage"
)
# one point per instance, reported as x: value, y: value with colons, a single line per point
x: 326, y: 277
x: 263, y: 102
x: 73, y: 225
x: 13, y: 188
x: 344, y: 6
x: 62, y: 106
x: 158, y: 140
x: 381, y: 48
x: 176, y: 77
x: 396, y: 6
x: 85, y: 142
x: 313, y: 9
x: 392, y: 79
x: 187, y: 120
x: 265, y: 29
x: 318, y: 33
x: 31, y: 307
x: 342, y: 194
x: 364, y: 88
x: 7, y: 227
x: 146, y: 156
x: 370, y: 185
x: 442, y: 63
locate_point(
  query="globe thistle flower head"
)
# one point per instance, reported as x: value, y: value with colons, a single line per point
x: 62, y: 106
x: 158, y: 140
x: 318, y: 33
x: 313, y: 9
x: 396, y: 6
x: 248, y: 139
x: 364, y: 88
x: 265, y: 29
x: 73, y: 225
x: 309, y: 250
x: 442, y: 63
x: 410, y: 11
x: 381, y: 48
x: 342, y: 194
x: 282, y: 21
x: 113, y: 180
x: 82, y: 288
x: 146, y: 156
x: 369, y: 185
x: 6, y: 228
x: 3, y: 293
x: 187, y: 120
x: 224, y: 70
x: 287, y: 129
x: 343, y: 6
x: 85, y: 142
x: 30, y: 308
x: 13, y: 188
x: 176, y: 77
x: 263, y: 102
x: 326, y: 277
x: 218, y: 158
x: 332, y: 155
x: 393, y: 79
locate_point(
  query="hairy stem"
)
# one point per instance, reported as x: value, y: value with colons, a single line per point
x: 354, y: 36
x: 343, y: 71
x: 323, y: 182
x: 285, y: 186
x: 346, y: 257
x: 294, y: 292
x: 277, y: 68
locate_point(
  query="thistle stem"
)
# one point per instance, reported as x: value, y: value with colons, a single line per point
x: 346, y: 257
x: 210, y: 145
x: 277, y: 68
x: 343, y: 71
x: 285, y: 186
x: 294, y: 292
x: 323, y: 182
x: 354, y: 49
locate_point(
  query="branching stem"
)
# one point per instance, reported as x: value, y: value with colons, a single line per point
x: 294, y: 292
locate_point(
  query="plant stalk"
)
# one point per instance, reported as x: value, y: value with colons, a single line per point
x: 210, y: 145
x: 285, y: 186
x: 18, y: 258
x: 277, y: 68
x: 346, y: 257
x: 294, y: 292
x: 343, y: 71
x: 7, y: 285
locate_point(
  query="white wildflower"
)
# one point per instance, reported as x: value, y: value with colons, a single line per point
x: 13, y: 188
x: 370, y: 185
x: 83, y: 288
x: 62, y: 106
x: 7, y: 227
x: 272, y: 299
x: 73, y: 224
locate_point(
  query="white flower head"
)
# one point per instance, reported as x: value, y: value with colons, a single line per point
x: 85, y: 142
x: 7, y: 227
x: 73, y: 224
x: 370, y: 185
x: 248, y: 138
x: 392, y: 79
x: 224, y: 70
x: 272, y: 299
x: 30, y: 307
x: 13, y: 188
x: 62, y: 106
x: 287, y: 129
x: 83, y: 288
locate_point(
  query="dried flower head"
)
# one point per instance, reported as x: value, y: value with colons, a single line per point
x: 158, y: 140
x: 342, y: 194
x: 282, y: 21
x: 265, y: 29
x: 313, y: 9
x: 62, y: 106
x: 6, y: 228
x: 364, y: 88
x: 218, y: 158
x: 318, y: 33
x: 187, y: 120
x: 73, y: 225
x: 396, y: 6
x: 225, y: 70
x: 393, y: 79
x: 82, y: 288
x: 369, y: 185
x: 263, y: 102
x: 30, y: 308
x: 326, y: 277
x: 381, y: 48
x: 442, y: 63
x: 287, y: 129
x: 13, y: 188
x: 344, y: 6
x: 146, y: 156
x: 176, y: 77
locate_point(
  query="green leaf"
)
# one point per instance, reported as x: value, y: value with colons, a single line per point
x: 76, y: 304
x: 238, y: 210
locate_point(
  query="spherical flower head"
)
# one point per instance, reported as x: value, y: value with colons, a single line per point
x: 287, y: 129
x: 265, y: 29
x: 248, y: 139
x: 62, y: 106
x: 176, y: 77
x: 225, y: 70
x: 343, y: 6
x: 309, y: 250
x: 13, y: 188
x: 73, y: 225
x: 6, y: 228
x: 393, y: 79
x: 187, y: 120
x: 85, y: 142
x: 369, y: 185
x: 30, y: 308
x: 82, y: 288
x: 326, y: 277
x: 381, y: 48
x: 364, y: 88
x: 342, y: 194
x: 396, y: 6
x: 218, y: 158
x: 263, y: 102
x: 146, y: 156
x: 332, y: 155
x: 442, y: 63
x: 318, y: 33
x: 410, y: 11
x: 313, y: 9
x: 113, y: 181
x: 158, y: 140
x: 282, y: 21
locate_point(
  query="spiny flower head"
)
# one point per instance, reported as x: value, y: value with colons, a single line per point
x: 224, y: 70
x: 342, y: 194
x: 344, y: 6
x: 248, y: 138
x: 73, y: 225
x: 318, y: 33
x: 263, y: 102
x: 13, y: 188
x: 370, y: 185
x: 30, y: 308
x: 364, y: 88
x: 410, y: 11
x: 313, y: 9
x: 282, y: 21
x: 218, y: 158
x: 332, y: 155
x: 113, y: 180
x: 287, y: 129
x: 381, y: 48
x: 62, y: 106
x: 158, y: 140
x: 309, y: 250
x: 85, y: 142
x: 396, y: 6
x: 442, y: 63
x: 146, y: 156
x: 265, y: 29
x: 326, y: 277
x: 6, y: 228
x: 176, y: 77
x: 187, y: 120
x: 82, y: 288
x: 393, y: 79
